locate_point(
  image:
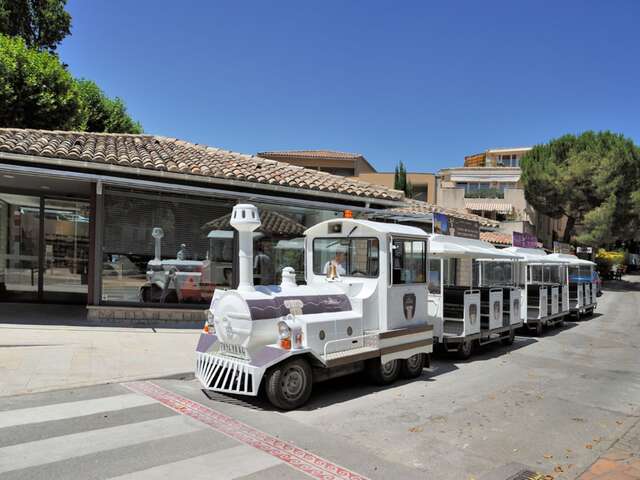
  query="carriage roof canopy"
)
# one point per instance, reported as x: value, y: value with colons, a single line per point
x: 448, y: 246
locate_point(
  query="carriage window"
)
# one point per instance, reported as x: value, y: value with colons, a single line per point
x: 435, y: 275
x: 450, y: 266
x: 409, y: 262
x: 352, y: 257
x: 497, y: 273
x: 535, y: 274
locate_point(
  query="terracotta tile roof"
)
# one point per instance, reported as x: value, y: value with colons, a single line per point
x: 496, y: 238
x: 273, y: 223
x: 417, y: 207
x: 155, y: 153
x: 310, y: 154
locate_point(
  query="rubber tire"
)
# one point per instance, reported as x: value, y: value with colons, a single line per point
x: 509, y: 339
x: 561, y: 323
x: 273, y: 384
x: 408, y: 371
x: 539, y: 330
x: 376, y: 374
x: 465, y: 350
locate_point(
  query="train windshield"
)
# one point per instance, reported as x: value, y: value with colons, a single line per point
x: 352, y: 257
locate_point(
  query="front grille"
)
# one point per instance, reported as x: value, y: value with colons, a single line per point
x: 224, y: 375
x: 235, y: 351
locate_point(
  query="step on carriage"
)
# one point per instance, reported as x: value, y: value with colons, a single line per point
x: 468, y: 309
x: 583, y: 289
x: 363, y: 308
x: 543, y: 280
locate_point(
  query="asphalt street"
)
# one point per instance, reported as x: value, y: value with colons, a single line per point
x: 551, y: 404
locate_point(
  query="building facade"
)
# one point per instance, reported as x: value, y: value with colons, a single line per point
x: 355, y: 167
x: 137, y: 226
x: 489, y: 185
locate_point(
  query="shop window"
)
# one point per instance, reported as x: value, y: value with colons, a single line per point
x: 195, y: 253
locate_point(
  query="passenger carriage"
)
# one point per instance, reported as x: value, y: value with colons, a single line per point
x: 583, y: 289
x: 543, y: 280
x: 364, y: 307
x: 467, y: 308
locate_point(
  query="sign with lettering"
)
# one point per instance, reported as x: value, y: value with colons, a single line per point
x: 524, y: 240
x: 461, y: 227
x: 559, y: 247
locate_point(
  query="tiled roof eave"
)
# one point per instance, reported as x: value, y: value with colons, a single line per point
x: 209, y: 180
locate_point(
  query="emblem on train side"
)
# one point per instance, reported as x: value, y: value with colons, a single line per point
x: 295, y: 306
x: 409, y: 305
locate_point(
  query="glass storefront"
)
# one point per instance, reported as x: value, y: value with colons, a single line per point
x: 176, y: 250
x: 44, y: 253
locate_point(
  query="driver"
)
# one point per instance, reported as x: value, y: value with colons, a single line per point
x: 338, y: 261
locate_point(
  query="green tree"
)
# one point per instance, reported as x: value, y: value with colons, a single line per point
x: 100, y: 113
x: 36, y: 91
x: 42, y: 24
x: 593, y: 179
x: 400, y: 181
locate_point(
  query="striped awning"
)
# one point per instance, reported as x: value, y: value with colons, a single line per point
x: 487, y: 205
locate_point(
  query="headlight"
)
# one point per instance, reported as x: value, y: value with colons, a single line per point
x: 283, y: 330
x: 284, y: 335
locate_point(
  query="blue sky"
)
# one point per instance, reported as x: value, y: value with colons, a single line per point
x: 422, y: 82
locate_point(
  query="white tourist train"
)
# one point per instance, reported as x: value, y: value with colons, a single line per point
x: 364, y: 307
x: 582, y: 287
x: 473, y: 299
x: 544, y: 280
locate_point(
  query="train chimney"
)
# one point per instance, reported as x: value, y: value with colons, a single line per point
x: 245, y: 219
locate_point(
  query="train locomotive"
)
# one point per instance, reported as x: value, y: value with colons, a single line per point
x: 363, y: 308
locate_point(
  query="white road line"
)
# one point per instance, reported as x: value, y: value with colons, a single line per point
x: 64, y: 447
x: 225, y: 464
x: 61, y: 411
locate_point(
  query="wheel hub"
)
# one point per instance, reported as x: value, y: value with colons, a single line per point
x: 293, y: 382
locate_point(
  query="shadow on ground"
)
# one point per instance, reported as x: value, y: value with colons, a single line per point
x: 74, y: 315
x: 351, y: 387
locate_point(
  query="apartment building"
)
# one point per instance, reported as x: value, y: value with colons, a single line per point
x: 489, y: 185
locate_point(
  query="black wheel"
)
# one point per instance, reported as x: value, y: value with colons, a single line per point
x: 539, y: 330
x: 412, y: 366
x: 509, y: 339
x: 383, y: 373
x: 288, y: 385
x: 465, y: 349
x: 561, y: 322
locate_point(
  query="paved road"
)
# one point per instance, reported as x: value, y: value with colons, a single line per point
x: 554, y: 404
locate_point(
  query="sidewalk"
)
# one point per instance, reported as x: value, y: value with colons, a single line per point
x: 622, y: 460
x: 48, y: 356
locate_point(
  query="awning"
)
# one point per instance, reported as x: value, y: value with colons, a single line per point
x: 485, y: 177
x: 487, y: 205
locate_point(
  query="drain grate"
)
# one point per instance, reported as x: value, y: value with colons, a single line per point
x: 526, y: 475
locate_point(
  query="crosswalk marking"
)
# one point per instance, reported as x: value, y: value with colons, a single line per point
x: 54, y: 449
x: 225, y: 464
x: 298, y: 458
x: 62, y: 411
